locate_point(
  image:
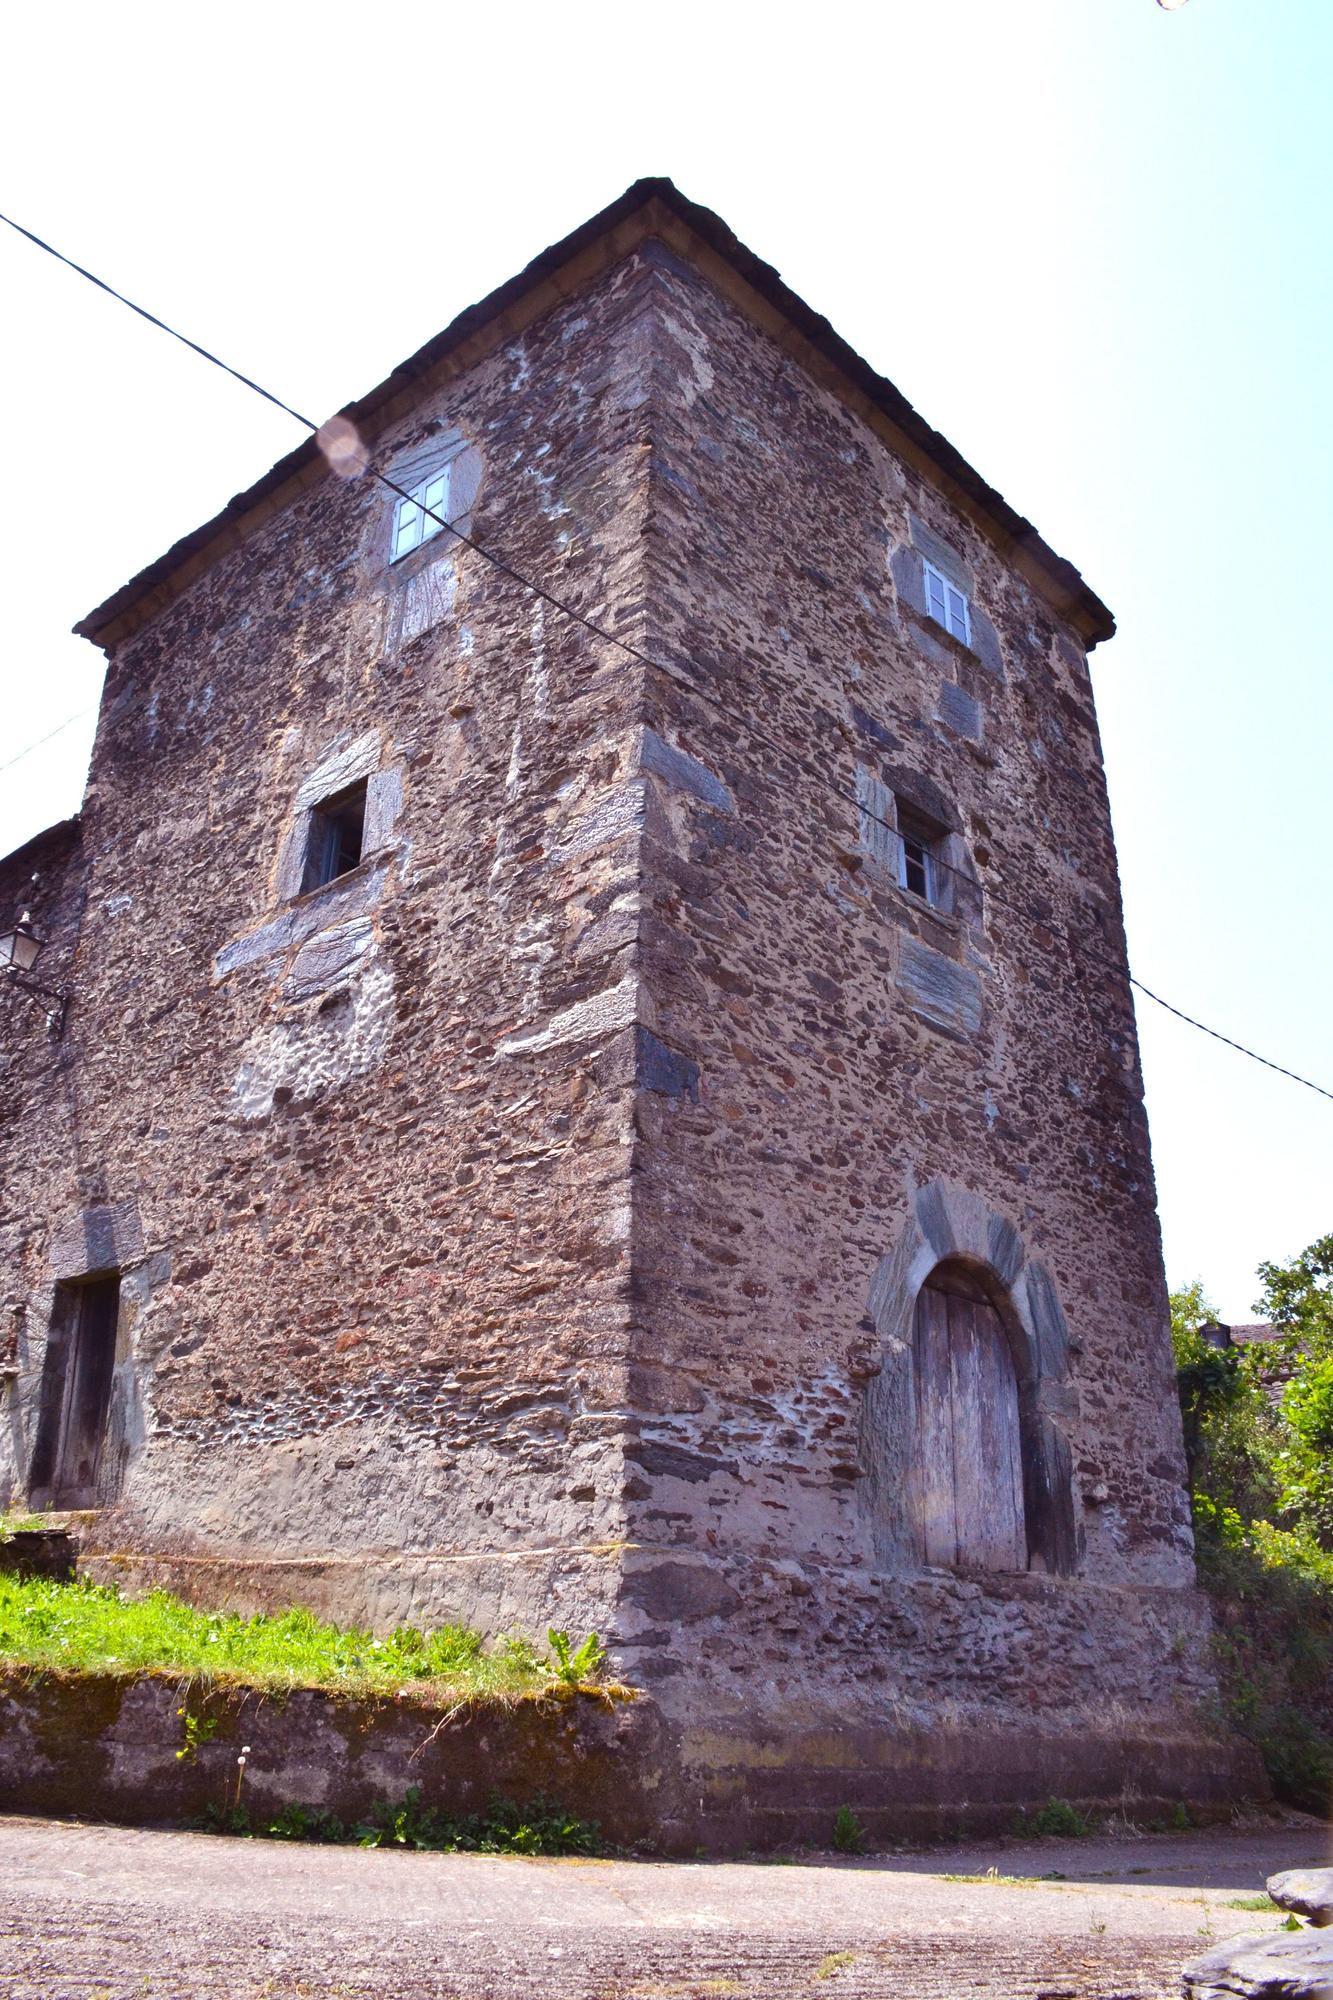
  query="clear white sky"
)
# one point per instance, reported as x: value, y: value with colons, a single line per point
x: 1087, y: 238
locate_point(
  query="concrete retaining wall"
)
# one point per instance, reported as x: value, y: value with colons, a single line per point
x: 105, y: 1746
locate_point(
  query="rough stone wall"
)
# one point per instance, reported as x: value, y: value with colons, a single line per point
x: 47, y: 876
x: 367, y: 1148
x: 873, y: 1085
x: 526, y: 1226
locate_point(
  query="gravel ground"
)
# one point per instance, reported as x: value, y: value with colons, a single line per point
x: 105, y: 1913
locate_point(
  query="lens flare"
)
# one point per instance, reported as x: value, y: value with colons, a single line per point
x: 340, y: 442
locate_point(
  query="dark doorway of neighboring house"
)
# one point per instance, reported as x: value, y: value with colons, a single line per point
x: 967, y: 1505
x: 76, y: 1394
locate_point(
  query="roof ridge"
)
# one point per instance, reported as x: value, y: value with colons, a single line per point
x: 150, y: 589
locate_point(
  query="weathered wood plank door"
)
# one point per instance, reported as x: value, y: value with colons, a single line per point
x: 967, y: 1498
x: 91, y: 1315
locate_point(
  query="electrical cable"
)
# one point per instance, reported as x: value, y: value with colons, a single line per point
x: 77, y: 716
x: 537, y: 590
x: 1204, y: 1030
x: 161, y: 324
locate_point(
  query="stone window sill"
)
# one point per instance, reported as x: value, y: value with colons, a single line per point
x: 362, y: 872
x: 948, y: 919
x: 956, y: 645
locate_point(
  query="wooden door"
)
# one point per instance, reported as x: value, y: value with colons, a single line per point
x: 967, y: 1498
x: 91, y: 1357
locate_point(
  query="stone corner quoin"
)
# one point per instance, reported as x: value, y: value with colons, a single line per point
x: 549, y: 1134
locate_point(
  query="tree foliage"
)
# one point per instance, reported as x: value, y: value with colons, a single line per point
x: 1298, y: 1296
x: 1258, y: 1425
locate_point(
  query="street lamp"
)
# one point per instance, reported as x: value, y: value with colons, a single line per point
x: 20, y: 949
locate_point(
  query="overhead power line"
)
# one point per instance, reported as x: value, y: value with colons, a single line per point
x: 161, y: 324
x: 1240, y: 1046
x: 19, y: 755
x: 611, y: 638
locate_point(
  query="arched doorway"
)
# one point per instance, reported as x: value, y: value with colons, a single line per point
x: 965, y: 1502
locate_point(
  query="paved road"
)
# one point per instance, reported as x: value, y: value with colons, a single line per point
x: 106, y: 1913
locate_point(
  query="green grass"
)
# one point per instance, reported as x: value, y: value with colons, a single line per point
x: 90, y: 1628
x: 14, y: 1524
x: 836, y: 1961
x: 1252, y: 1903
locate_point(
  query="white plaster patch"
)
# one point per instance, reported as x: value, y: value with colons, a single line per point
x: 321, y: 1050
x: 534, y: 701
x: 534, y: 947
x: 694, y: 342
x: 551, y: 507
x: 618, y: 1223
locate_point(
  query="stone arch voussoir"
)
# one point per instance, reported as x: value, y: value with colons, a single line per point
x: 947, y: 1223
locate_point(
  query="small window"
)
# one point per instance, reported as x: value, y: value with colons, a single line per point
x: 337, y: 832
x: 422, y: 515
x: 918, y: 862
x: 947, y: 605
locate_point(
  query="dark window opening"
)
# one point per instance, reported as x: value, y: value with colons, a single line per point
x: 337, y: 831
x: 76, y: 1394
x: 919, y: 867
x: 916, y: 866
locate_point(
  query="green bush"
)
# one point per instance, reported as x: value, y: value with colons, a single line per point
x: 848, y: 1833
x: 1056, y: 1820
x: 1272, y: 1593
x: 1259, y: 1440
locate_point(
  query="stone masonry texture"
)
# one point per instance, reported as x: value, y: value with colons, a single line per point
x: 525, y: 1227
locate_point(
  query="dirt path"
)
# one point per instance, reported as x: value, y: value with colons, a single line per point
x: 105, y: 1913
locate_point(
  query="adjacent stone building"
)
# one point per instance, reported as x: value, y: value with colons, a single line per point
x: 628, y: 1119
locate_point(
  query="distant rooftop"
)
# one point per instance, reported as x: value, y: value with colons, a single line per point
x: 1218, y: 1334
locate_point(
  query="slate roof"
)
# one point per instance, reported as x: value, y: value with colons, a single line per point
x: 640, y: 212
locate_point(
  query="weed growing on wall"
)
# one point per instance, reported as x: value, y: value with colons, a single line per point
x: 576, y: 1664
x: 1056, y: 1820
x: 196, y: 1730
x: 541, y: 1827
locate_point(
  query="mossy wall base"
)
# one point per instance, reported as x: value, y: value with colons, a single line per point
x: 106, y: 1746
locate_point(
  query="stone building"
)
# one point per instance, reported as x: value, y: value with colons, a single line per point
x: 633, y: 1123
